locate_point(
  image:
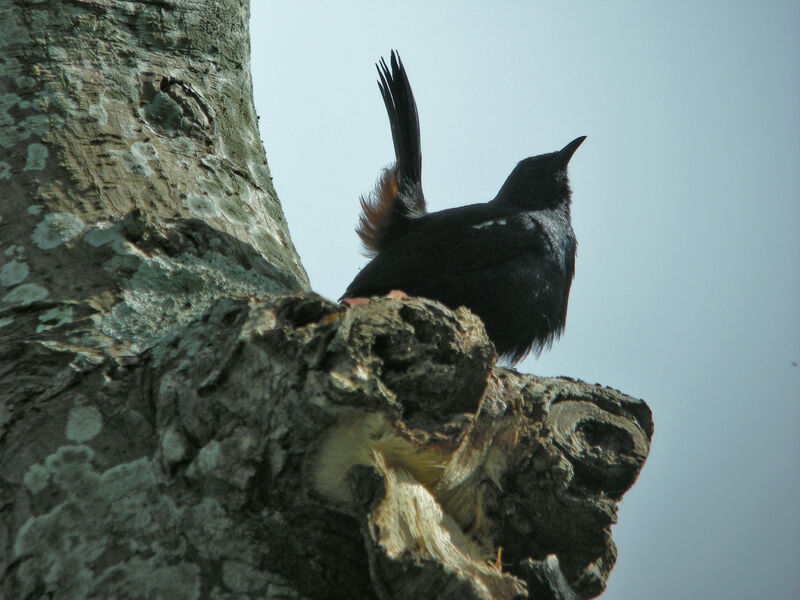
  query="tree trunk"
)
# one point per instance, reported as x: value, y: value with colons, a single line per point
x: 181, y: 417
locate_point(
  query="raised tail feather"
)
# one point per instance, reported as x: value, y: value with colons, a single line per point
x: 397, y: 197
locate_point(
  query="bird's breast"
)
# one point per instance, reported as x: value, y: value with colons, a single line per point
x: 560, y: 238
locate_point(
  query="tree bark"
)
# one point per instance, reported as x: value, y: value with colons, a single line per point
x: 181, y: 417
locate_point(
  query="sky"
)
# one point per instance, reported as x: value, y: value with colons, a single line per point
x: 686, y: 206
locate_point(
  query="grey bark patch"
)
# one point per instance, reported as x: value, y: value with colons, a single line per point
x: 55, y: 317
x: 163, y: 113
x: 37, y: 157
x: 13, y: 272
x: 98, y: 113
x: 55, y: 229
x: 83, y: 424
x: 25, y: 294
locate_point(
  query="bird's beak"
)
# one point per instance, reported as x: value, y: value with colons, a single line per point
x: 561, y: 159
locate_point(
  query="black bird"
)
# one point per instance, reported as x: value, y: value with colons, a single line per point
x: 510, y: 260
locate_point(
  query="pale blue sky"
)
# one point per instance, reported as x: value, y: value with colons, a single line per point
x: 686, y: 205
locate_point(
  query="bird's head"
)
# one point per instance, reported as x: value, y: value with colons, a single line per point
x: 540, y: 182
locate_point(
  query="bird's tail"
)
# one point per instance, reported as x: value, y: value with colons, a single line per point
x: 397, y: 197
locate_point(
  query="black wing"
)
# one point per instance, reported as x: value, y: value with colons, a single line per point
x: 444, y: 248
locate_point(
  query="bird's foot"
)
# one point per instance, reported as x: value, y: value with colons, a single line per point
x: 354, y: 301
x: 398, y: 294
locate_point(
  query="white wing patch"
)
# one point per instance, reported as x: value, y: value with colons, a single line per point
x: 486, y: 224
